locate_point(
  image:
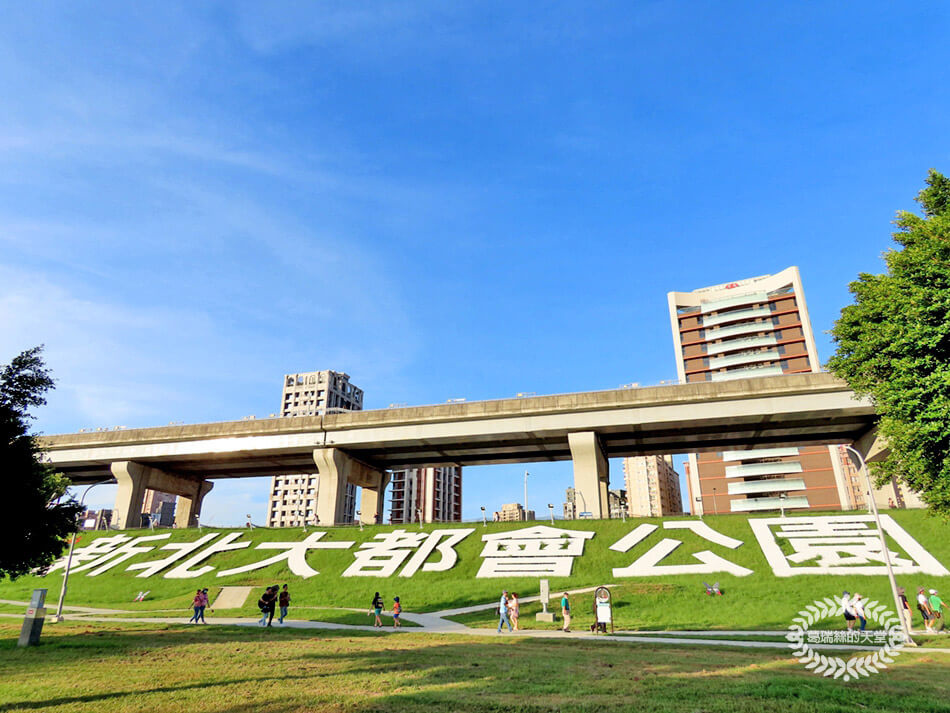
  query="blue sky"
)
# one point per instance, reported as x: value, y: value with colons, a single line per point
x: 444, y: 200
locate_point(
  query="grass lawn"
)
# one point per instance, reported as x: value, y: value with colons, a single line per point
x: 658, y: 601
x: 141, y: 667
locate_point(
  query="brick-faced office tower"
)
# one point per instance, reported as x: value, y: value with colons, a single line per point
x: 748, y: 328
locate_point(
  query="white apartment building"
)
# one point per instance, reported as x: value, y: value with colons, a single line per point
x: 653, y: 486
x: 292, y: 501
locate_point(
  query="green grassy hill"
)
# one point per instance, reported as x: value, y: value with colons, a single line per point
x: 760, y: 600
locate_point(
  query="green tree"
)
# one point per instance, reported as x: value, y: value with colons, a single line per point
x: 894, y: 347
x: 33, y: 534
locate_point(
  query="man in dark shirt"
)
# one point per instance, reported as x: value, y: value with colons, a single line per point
x: 267, y: 604
x: 283, y: 601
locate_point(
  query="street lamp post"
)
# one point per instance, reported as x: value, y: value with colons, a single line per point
x: 359, y: 518
x: 419, y: 513
x: 715, y: 502
x: 484, y: 517
x: 699, y: 499
x: 526, y: 495
x: 884, y: 551
x: 69, y: 561
x: 578, y: 492
x: 781, y: 498
x: 551, y: 508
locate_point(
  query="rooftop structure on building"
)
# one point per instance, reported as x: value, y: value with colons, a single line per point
x: 653, y: 486
x: 431, y: 494
x: 747, y: 328
x: 292, y: 501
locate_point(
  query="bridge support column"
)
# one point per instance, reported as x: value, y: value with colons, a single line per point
x: 188, y: 510
x: 134, y: 479
x: 130, y: 498
x: 337, y: 468
x: 371, y: 501
x: 591, y: 472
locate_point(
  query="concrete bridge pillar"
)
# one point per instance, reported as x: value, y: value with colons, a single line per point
x: 591, y: 472
x: 135, y: 478
x: 337, y: 468
x: 188, y: 511
x: 371, y: 501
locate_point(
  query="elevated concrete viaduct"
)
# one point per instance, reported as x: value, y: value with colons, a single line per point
x: 359, y: 447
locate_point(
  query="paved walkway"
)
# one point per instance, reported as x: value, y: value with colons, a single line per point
x: 436, y: 623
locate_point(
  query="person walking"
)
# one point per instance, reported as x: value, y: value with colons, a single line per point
x: 283, y: 601
x: 923, y: 606
x: 267, y: 603
x: 937, y: 606
x: 566, y: 613
x: 857, y: 604
x: 906, y: 613
x: 848, y: 609
x: 196, y: 607
x: 397, y: 610
x: 514, y: 610
x: 503, y: 612
x: 204, y: 605
x: 377, y: 607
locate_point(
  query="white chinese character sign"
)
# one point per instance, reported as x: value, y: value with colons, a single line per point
x: 649, y: 562
x: 833, y: 544
x: 532, y: 552
x: 384, y: 556
x: 839, y: 544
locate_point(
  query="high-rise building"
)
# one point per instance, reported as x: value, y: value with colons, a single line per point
x: 96, y: 519
x: 653, y: 486
x: 433, y: 492
x: 513, y: 512
x: 160, y: 508
x: 570, y: 506
x: 616, y: 503
x: 748, y: 328
x: 292, y: 501
x: 890, y: 495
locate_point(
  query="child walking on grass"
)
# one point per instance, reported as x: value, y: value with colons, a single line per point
x: 397, y: 610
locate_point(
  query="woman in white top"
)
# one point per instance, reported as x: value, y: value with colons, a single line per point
x: 848, y: 609
x: 858, y: 607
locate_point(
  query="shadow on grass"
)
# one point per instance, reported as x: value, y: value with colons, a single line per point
x: 369, y: 672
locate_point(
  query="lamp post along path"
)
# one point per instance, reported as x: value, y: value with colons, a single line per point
x: 69, y: 560
x: 884, y: 551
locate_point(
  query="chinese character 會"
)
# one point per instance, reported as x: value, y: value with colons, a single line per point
x: 533, y: 551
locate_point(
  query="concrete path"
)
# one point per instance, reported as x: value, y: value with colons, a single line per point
x: 435, y: 623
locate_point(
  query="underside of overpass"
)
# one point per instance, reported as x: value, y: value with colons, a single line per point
x: 588, y: 428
